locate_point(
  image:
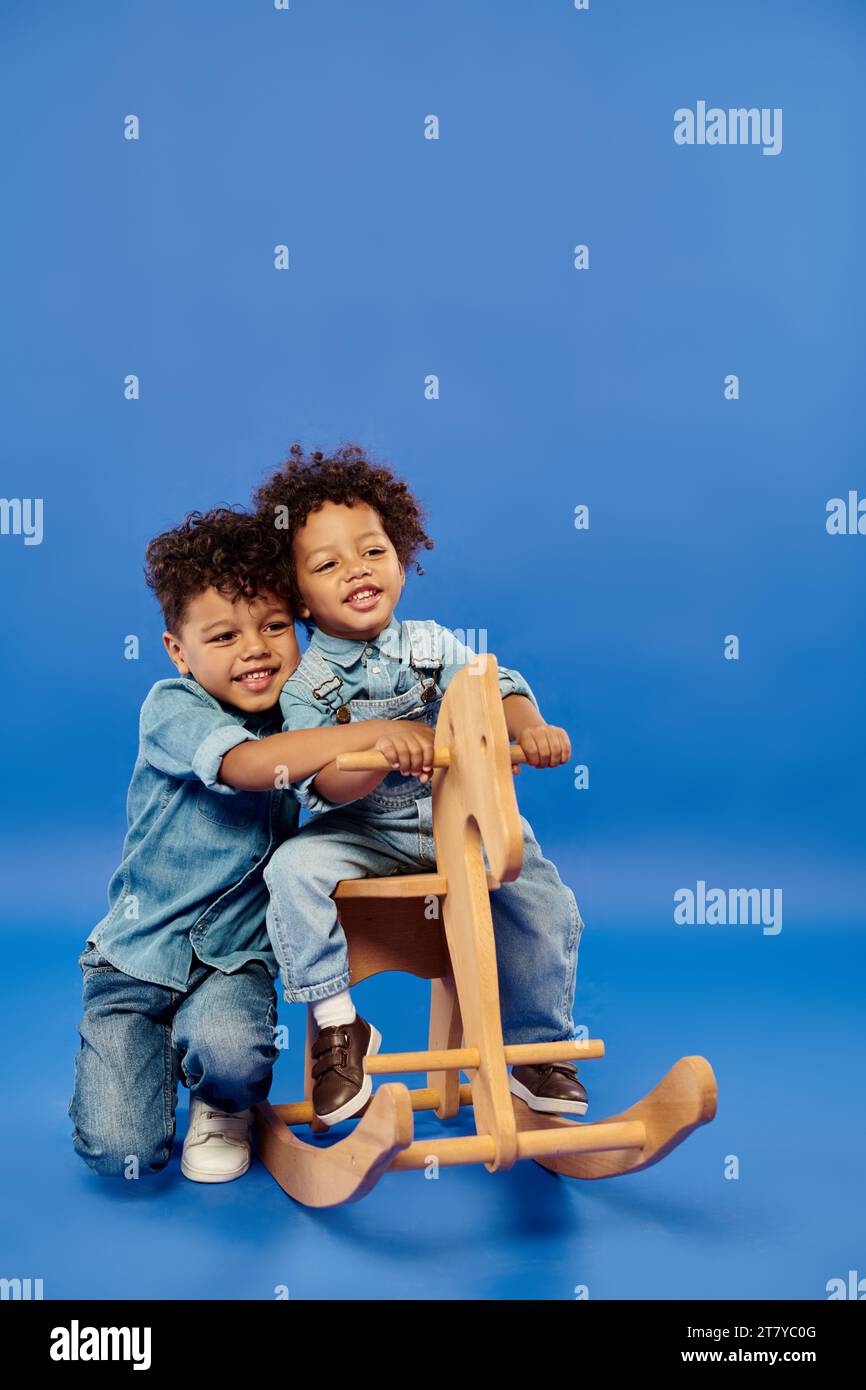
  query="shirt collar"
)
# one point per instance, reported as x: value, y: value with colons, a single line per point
x: 345, y: 653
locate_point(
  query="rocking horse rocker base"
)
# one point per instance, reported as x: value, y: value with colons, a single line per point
x: 387, y: 927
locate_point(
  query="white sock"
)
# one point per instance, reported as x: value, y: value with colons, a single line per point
x: 337, y: 1009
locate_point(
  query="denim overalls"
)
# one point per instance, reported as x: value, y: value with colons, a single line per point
x: 536, y: 921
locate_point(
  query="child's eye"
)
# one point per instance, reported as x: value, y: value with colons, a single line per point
x: 278, y: 627
x: 321, y: 569
x: 221, y: 635
x: 376, y: 550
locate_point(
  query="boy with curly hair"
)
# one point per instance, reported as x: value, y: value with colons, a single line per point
x: 178, y: 976
x: 350, y: 529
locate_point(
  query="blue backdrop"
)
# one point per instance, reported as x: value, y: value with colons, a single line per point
x: 607, y: 386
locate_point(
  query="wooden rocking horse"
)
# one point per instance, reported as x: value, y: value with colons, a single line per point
x: 387, y: 928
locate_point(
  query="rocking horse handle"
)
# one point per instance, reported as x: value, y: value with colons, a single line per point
x: 373, y: 760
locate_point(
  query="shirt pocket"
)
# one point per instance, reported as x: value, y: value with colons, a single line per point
x: 244, y: 809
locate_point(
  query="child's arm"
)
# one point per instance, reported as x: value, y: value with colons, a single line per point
x: 544, y: 745
x: 340, y: 787
x: 408, y: 746
x: 259, y: 764
x: 454, y: 655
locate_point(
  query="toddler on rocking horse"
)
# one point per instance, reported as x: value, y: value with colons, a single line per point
x: 351, y: 527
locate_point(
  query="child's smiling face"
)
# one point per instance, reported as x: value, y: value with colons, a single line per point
x: 242, y: 653
x: 347, y: 570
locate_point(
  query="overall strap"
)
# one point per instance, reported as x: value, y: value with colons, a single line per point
x: 424, y: 653
x: 314, y: 673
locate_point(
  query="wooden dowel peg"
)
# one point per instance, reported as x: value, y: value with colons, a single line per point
x: 447, y: 1059
x: 449, y: 1153
x: 424, y: 1098
x: 530, y: 1054
x: 581, y: 1138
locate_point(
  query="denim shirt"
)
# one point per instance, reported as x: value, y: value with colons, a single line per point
x: 374, y: 671
x: 191, y: 870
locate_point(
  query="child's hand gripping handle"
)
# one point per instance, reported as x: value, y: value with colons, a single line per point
x: 373, y: 760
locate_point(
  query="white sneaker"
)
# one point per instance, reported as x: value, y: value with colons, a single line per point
x: 217, y: 1146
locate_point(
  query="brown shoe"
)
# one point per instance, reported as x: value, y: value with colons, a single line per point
x: 552, y: 1088
x: 341, y: 1087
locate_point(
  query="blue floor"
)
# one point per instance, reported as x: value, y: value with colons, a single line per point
x: 779, y: 1018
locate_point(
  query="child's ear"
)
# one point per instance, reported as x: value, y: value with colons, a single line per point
x: 175, y: 652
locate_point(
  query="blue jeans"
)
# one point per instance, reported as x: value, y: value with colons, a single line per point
x: 138, y: 1039
x: 536, y: 922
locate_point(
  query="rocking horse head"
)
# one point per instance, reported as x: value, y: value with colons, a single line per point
x: 476, y: 785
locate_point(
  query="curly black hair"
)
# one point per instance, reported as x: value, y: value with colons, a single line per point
x: 228, y: 549
x: 347, y: 475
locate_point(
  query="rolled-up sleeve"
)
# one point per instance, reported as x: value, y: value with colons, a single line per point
x: 310, y: 798
x: 208, y: 756
x: 455, y: 655
x: 512, y: 683
x: 185, y: 736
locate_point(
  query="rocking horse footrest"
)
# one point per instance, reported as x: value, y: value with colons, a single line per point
x: 531, y: 1143
x: 468, y: 1059
x: 301, y: 1112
